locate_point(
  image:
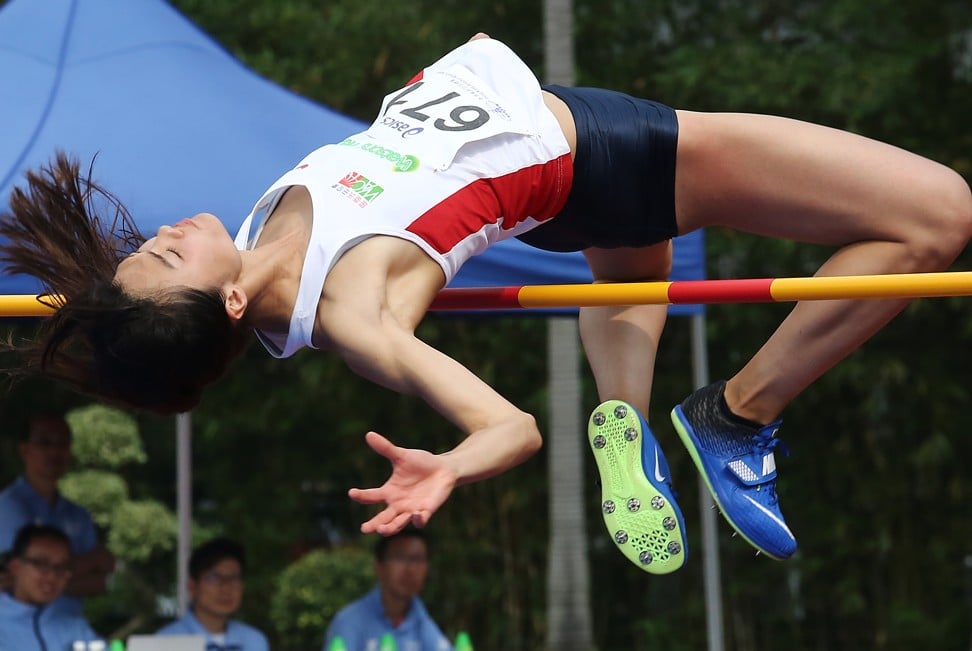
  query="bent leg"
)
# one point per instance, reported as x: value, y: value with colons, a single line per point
x: 889, y: 211
x: 637, y: 501
x: 621, y: 341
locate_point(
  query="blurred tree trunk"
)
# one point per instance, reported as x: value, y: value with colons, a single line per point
x: 568, y: 585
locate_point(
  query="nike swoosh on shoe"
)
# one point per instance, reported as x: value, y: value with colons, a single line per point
x: 772, y: 516
x: 658, y: 476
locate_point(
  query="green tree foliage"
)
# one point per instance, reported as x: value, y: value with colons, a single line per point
x: 348, y: 53
x: 141, y: 533
x: 143, y: 528
x: 99, y: 491
x: 104, y: 437
x: 313, y: 589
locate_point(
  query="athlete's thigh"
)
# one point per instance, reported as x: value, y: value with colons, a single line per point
x: 785, y: 178
x: 630, y: 264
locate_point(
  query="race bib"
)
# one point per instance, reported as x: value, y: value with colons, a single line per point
x: 439, y: 114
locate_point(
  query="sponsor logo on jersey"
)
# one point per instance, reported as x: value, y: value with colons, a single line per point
x: 358, y: 188
x: 405, y: 129
x: 400, y: 162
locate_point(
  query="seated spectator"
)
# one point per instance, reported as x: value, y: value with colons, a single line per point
x: 393, y: 606
x: 34, y: 499
x: 40, y: 566
x: 216, y: 592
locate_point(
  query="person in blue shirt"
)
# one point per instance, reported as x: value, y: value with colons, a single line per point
x: 33, y: 498
x: 216, y: 593
x: 393, y: 606
x: 40, y: 566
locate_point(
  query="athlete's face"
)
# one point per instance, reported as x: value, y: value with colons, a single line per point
x: 197, y: 253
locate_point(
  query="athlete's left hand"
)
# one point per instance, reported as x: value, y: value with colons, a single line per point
x: 419, y: 484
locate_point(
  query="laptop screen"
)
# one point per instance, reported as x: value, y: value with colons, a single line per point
x: 166, y: 643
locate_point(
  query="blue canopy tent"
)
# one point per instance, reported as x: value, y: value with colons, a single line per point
x: 179, y: 126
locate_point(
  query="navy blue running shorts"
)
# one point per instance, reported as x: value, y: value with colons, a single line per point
x: 623, y: 192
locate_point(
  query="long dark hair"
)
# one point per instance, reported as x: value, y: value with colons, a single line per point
x: 151, y: 353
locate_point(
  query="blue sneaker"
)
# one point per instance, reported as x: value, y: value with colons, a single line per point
x: 637, y: 502
x: 739, y: 468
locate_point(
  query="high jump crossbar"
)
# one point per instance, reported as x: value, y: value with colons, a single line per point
x: 675, y: 292
x: 751, y: 290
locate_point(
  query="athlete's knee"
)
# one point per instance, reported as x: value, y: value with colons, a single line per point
x: 958, y: 204
x: 628, y: 265
x: 947, y: 222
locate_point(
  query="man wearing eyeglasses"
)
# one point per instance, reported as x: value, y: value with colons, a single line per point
x: 216, y: 593
x: 401, y: 565
x: 34, y: 499
x: 40, y: 564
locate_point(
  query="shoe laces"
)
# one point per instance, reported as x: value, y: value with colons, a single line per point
x: 765, y: 442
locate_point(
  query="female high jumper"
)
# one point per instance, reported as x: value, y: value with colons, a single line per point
x: 346, y: 251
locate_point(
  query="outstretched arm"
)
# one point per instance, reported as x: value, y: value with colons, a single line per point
x: 499, y: 435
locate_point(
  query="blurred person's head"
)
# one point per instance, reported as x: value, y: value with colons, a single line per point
x: 46, y: 449
x: 402, y: 563
x: 39, y: 564
x: 216, y: 579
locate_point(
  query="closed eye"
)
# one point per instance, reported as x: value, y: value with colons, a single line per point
x: 174, y: 252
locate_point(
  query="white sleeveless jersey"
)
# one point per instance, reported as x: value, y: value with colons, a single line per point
x: 464, y: 156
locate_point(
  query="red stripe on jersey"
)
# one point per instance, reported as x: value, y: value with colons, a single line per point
x: 418, y: 77
x: 539, y: 191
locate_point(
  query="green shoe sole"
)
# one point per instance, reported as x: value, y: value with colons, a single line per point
x: 637, y: 505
